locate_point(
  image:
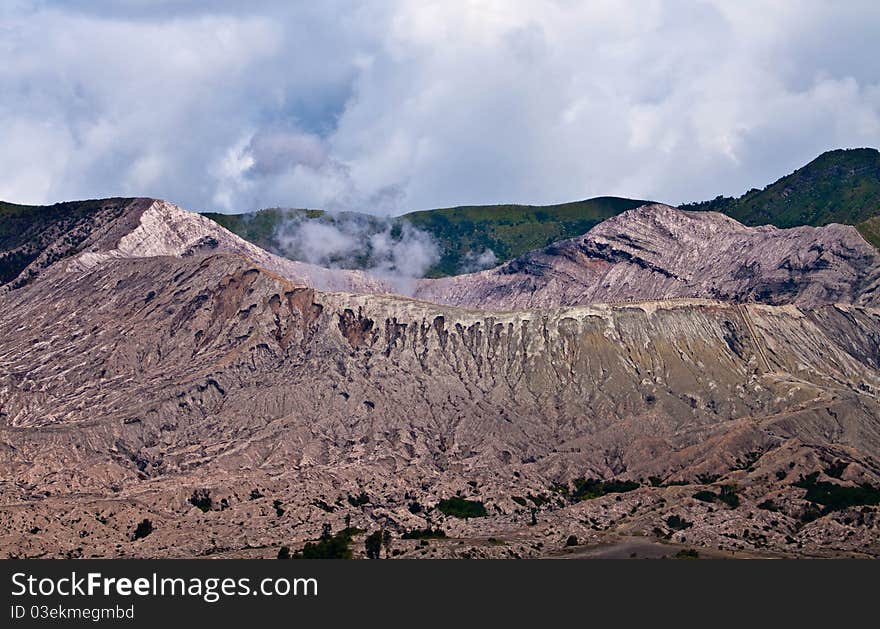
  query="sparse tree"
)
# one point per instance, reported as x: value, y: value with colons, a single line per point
x: 386, y: 542
x: 373, y: 545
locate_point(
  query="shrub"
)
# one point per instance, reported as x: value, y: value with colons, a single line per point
x: 768, y: 505
x: 201, y: 499
x: 589, y: 488
x: 538, y: 500
x: 810, y: 513
x: 284, y: 553
x: 458, y: 507
x: 143, y: 529
x: 519, y: 500
x: 728, y: 496
x: 427, y: 533
x: 359, y: 500
x: 835, y: 470
x: 373, y: 544
x: 571, y: 541
x: 329, y: 546
x: 678, y: 523
x: 705, y: 496
x: 748, y: 461
x: 687, y: 553
x: 836, y: 497
x: 323, y: 506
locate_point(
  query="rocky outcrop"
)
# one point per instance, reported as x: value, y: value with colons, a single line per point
x: 144, y: 228
x: 658, y: 252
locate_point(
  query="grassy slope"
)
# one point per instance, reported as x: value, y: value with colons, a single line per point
x: 841, y: 186
x: 26, y: 229
x: 508, y: 230
x: 870, y: 229
x: 260, y: 227
x: 838, y: 186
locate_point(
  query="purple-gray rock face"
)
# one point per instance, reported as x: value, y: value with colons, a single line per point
x: 659, y: 252
x: 159, y: 375
x: 146, y: 228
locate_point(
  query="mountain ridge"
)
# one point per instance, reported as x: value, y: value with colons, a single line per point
x: 155, y: 366
x: 213, y: 380
x: 841, y: 186
x: 461, y: 232
x: 657, y: 251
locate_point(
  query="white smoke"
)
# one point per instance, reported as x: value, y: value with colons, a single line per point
x: 473, y: 261
x: 319, y: 243
x: 403, y: 260
x: 397, y: 252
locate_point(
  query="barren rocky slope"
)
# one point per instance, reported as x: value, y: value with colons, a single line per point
x: 140, y: 228
x: 153, y: 376
x: 659, y: 252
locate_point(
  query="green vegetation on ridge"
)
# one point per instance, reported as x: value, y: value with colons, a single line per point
x: 510, y: 230
x: 26, y: 231
x: 463, y: 233
x: 870, y: 230
x: 841, y: 186
x: 838, y: 186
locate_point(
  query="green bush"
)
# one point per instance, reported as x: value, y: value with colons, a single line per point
x: 589, y: 488
x: 728, y: 496
x: 201, y: 499
x: 359, y: 500
x: 143, y: 529
x: 705, y: 496
x: 678, y: 523
x: 329, y: 546
x: 373, y: 545
x: 427, y: 533
x: 835, y: 470
x: 836, y: 497
x: 458, y: 507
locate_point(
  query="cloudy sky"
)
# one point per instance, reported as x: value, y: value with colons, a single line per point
x: 388, y: 106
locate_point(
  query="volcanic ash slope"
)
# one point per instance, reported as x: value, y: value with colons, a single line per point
x: 180, y: 380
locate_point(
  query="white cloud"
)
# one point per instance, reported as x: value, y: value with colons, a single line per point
x: 386, y: 107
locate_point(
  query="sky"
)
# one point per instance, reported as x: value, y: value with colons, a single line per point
x: 390, y: 106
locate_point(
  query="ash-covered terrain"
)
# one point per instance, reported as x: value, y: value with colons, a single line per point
x: 670, y: 380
